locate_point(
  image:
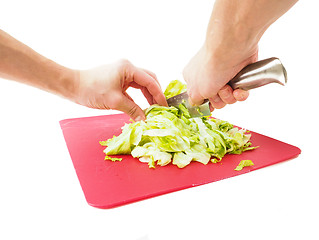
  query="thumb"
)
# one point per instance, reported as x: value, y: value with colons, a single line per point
x: 194, y: 98
x: 131, y: 108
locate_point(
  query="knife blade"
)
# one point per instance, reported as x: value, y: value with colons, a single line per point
x: 252, y: 76
x: 194, y: 111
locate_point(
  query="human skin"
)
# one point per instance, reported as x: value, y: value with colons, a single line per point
x: 231, y: 43
x: 103, y: 87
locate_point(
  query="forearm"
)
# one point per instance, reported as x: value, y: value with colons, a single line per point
x: 20, y: 63
x: 103, y: 87
x: 236, y: 26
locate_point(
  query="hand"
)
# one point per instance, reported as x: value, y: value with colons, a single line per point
x: 207, y: 77
x: 232, y: 37
x: 105, y: 88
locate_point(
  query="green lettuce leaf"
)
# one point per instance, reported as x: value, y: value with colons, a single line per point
x: 151, y: 154
x: 174, y: 88
x: 169, y: 135
x: 112, y: 158
x: 244, y: 163
x: 181, y: 159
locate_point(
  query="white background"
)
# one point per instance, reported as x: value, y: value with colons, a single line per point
x: 40, y: 196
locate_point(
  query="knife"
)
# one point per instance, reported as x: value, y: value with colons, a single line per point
x: 252, y: 76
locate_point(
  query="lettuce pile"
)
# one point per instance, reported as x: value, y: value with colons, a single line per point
x: 169, y: 135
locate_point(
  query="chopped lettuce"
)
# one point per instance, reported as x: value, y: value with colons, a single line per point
x: 150, y: 153
x: 174, y: 88
x: 169, y: 135
x: 113, y: 159
x: 244, y: 163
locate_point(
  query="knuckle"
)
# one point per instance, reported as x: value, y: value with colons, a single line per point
x: 123, y: 62
x: 217, y: 102
x: 152, y: 85
x: 206, y: 93
x: 154, y: 75
x: 226, y: 94
x: 219, y: 105
x: 226, y: 89
x: 133, y: 110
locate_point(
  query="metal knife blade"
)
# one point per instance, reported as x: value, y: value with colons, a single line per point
x: 194, y: 111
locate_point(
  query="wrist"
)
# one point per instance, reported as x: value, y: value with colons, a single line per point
x: 70, y: 83
x: 233, y: 32
x: 232, y: 44
x: 63, y: 82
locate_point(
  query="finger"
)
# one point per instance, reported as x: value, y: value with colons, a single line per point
x: 145, y: 80
x: 211, y: 108
x: 194, y: 98
x: 217, y: 102
x: 127, y: 105
x: 148, y: 96
x: 153, y: 75
x: 128, y: 96
x: 240, y: 95
x: 226, y: 94
x: 145, y: 92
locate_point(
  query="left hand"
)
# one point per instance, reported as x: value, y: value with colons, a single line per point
x: 105, y: 88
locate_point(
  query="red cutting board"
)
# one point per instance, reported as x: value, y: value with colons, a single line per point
x: 108, y: 184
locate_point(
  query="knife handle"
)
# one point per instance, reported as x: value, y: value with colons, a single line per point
x: 259, y: 74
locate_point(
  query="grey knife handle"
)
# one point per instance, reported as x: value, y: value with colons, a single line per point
x: 259, y: 74
x: 252, y: 76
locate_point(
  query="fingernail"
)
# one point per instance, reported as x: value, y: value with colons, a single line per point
x: 243, y: 96
x: 190, y: 102
x: 139, y: 118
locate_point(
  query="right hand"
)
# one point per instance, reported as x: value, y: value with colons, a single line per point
x: 207, y: 77
x: 232, y: 37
